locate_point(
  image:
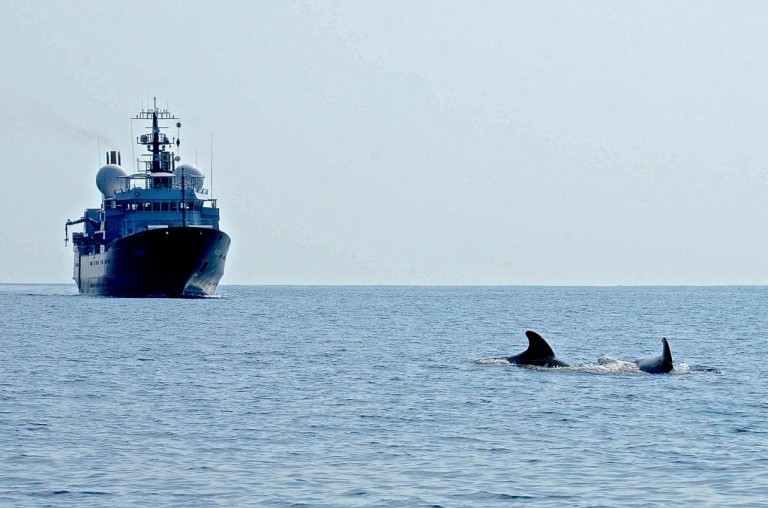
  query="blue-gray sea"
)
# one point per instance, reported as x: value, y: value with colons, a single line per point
x: 382, y: 396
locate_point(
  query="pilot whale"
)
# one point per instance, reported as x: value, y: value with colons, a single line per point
x: 539, y: 353
x: 659, y: 364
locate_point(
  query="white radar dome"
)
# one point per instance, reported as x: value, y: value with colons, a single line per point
x: 192, y: 174
x: 108, y: 179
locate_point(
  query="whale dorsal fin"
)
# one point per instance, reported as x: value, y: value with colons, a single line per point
x: 537, y: 346
x: 666, y: 355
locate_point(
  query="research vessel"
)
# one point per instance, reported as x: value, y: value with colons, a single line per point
x: 156, y: 233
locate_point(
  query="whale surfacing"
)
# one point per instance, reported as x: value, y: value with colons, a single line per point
x: 539, y: 353
x: 659, y: 364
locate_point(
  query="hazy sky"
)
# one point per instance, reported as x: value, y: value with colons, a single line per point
x: 418, y: 142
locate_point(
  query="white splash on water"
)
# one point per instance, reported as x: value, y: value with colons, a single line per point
x: 604, y: 365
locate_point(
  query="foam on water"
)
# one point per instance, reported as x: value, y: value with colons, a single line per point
x: 604, y: 365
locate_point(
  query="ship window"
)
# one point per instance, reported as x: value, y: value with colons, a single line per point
x: 165, y: 206
x: 147, y: 207
x: 173, y: 206
x: 202, y: 268
x: 156, y: 206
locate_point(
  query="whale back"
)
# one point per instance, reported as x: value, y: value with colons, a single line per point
x: 539, y: 353
x: 659, y: 364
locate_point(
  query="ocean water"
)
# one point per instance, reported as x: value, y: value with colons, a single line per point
x: 382, y: 396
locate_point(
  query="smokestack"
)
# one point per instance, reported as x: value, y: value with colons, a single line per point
x: 113, y: 157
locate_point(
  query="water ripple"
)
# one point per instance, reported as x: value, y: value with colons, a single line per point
x: 289, y: 396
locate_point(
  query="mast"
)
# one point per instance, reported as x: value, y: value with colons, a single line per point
x: 155, y: 142
x: 161, y: 160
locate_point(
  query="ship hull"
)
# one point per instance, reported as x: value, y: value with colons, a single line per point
x: 165, y: 262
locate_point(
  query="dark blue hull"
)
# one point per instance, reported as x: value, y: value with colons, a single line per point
x: 166, y: 262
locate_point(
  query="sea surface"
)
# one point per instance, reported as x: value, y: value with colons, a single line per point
x: 382, y: 396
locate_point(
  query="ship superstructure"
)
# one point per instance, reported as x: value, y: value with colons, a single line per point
x: 156, y: 232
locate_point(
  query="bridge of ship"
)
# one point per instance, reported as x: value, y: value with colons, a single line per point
x: 157, y: 200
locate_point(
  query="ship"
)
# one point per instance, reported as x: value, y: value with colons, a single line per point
x: 156, y: 233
